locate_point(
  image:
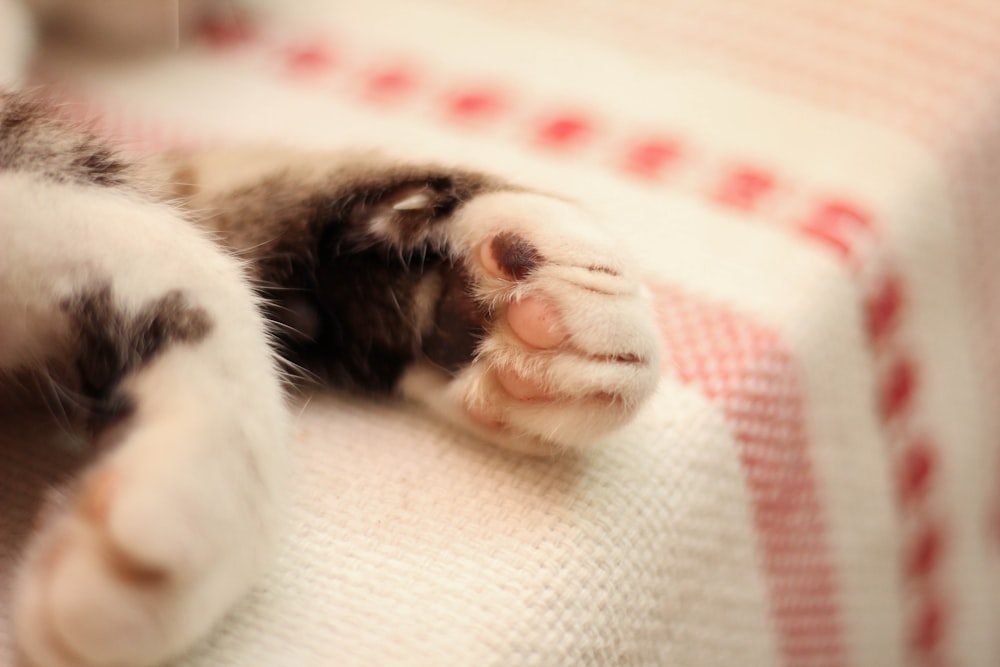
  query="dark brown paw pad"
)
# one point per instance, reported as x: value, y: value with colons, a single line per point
x: 510, y: 256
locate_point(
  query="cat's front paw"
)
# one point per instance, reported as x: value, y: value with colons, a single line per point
x: 569, y: 349
x: 132, y: 566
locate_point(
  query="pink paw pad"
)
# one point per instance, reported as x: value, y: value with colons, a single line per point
x: 536, y: 323
x: 520, y: 388
x: 532, y: 319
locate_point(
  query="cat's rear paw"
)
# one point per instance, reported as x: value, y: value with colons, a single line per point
x: 570, y: 349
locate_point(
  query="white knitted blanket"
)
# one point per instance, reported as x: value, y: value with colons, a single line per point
x: 809, y: 187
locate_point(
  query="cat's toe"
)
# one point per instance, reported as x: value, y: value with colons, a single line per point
x: 127, y: 570
x: 85, y: 599
x: 536, y: 322
x: 523, y: 388
x: 572, y: 351
x: 545, y: 383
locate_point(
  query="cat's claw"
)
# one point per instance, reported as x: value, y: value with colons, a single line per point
x: 414, y: 202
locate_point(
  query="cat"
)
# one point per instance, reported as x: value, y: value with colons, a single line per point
x: 161, y: 306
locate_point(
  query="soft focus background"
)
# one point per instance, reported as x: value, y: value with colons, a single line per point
x: 811, y: 188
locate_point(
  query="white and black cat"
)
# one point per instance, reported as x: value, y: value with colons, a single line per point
x: 156, y: 328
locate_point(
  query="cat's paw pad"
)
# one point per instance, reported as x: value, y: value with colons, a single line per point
x: 570, y: 350
x: 117, y: 575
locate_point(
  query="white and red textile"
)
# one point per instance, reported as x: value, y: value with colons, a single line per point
x: 813, y: 190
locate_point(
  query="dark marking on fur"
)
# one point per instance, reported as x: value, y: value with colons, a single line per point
x: 515, y: 256
x: 107, y: 410
x: 33, y: 140
x: 459, y: 324
x: 16, y: 114
x: 111, y: 343
x: 82, y: 385
x: 103, y: 167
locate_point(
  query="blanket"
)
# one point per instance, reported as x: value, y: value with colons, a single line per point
x: 810, y: 189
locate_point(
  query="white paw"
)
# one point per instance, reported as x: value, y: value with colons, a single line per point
x: 571, y: 349
x: 135, y: 565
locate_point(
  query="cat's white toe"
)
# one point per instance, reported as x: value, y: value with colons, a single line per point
x: 131, y: 568
x: 85, y: 598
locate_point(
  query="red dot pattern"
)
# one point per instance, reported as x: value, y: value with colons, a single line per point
x: 845, y: 227
x: 916, y: 475
x: 838, y: 224
x: 897, y: 389
x: 476, y: 104
x: 309, y: 59
x: 745, y: 187
x: 925, y: 552
x: 390, y: 84
x: 565, y: 131
x: 884, y: 307
x: 650, y: 158
x: 929, y: 628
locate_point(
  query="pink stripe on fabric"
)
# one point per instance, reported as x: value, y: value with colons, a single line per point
x: 748, y: 371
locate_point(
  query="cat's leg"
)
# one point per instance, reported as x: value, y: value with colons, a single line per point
x: 154, y: 335
x: 507, y: 312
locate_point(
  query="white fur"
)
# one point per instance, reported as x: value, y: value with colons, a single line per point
x: 195, y: 484
x: 607, y: 317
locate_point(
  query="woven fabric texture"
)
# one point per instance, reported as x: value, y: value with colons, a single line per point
x: 811, y: 190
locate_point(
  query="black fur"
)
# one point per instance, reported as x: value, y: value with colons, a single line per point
x: 343, y: 295
x: 111, y: 344
x: 81, y: 379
